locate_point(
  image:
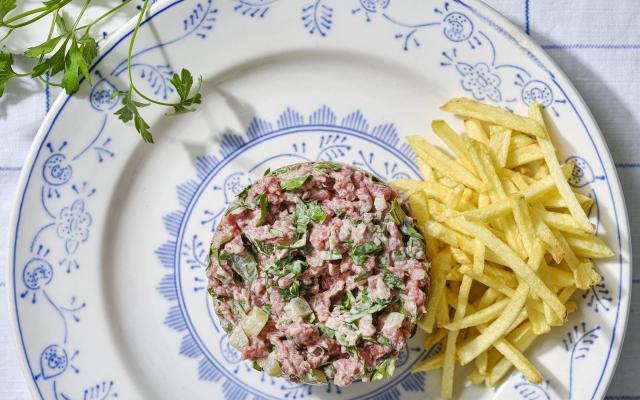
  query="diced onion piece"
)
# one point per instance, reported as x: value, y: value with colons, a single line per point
x: 393, y: 321
x: 315, y: 377
x: 253, y: 323
x: 270, y: 365
x: 298, y: 307
x: 238, y: 339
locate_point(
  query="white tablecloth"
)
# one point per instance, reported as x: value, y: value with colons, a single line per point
x: 596, y: 42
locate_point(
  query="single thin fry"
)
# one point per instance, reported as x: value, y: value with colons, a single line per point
x: 443, y: 163
x: 588, y: 246
x: 476, y: 131
x: 524, y: 155
x: 429, y: 364
x: 519, y: 140
x: 560, y: 277
x: 481, y: 362
x: 460, y: 256
x: 523, y: 222
x: 488, y: 213
x: 547, y: 149
x: 425, y: 170
x: 497, y: 116
x: 479, y: 317
x: 543, y: 232
x: 538, y: 322
x: 454, y: 142
x: 434, y: 338
x: 455, y: 197
x: 499, y: 144
x: 581, y: 271
x: 489, y: 281
x: 560, y: 221
x: 478, y: 257
x: 536, y: 257
x: 440, y: 265
x: 442, y: 312
x: 497, y: 329
x: 489, y: 297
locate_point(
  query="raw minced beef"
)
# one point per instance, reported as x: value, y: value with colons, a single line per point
x: 317, y: 273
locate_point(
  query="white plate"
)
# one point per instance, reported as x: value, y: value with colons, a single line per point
x: 110, y: 234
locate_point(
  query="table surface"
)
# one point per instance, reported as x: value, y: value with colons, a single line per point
x: 597, y: 45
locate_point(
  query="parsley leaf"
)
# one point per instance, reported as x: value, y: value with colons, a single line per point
x: 383, y: 340
x: 183, y: 84
x: 397, y: 213
x: 316, y: 213
x: 294, y: 183
x: 43, y: 48
x: 280, y: 171
x: 6, y: 72
x: 129, y: 111
x: 61, y: 24
x: 360, y: 252
x: 327, y: 164
x: 339, y: 213
x: 54, y: 64
x: 301, y: 217
x: 74, y: 62
x: 264, y: 207
x: 5, y: 7
x: 330, y: 255
x: 327, y: 332
x: 88, y: 47
x: 409, y: 230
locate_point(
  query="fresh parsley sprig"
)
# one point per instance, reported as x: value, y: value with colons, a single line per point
x: 69, y: 50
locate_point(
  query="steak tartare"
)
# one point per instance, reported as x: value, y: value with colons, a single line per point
x: 318, y: 273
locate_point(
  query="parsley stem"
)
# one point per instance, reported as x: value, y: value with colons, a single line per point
x: 105, y: 15
x: 44, y: 11
x: 46, y: 82
x: 6, y: 35
x: 129, y: 56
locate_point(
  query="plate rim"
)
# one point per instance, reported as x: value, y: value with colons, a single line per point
x: 497, y: 21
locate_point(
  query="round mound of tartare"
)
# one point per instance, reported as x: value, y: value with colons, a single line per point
x: 318, y: 273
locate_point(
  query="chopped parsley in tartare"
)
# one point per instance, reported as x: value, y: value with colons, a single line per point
x: 318, y: 273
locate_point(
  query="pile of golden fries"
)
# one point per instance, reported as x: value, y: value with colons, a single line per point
x: 508, y: 239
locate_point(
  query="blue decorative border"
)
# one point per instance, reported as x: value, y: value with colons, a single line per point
x: 322, y: 121
x: 28, y: 175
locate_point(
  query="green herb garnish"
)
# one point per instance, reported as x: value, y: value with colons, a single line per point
x: 383, y: 340
x: 330, y: 255
x: 385, y: 368
x: 69, y: 49
x: 245, y: 266
x: 262, y: 200
x: 244, y: 193
x: 397, y: 213
x: 294, y: 183
x: 327, y: 332
x: 315, y: 212
x: 409, y: 230
x: 280, y: 171
x: 256, y: 366
x: 328, y: 164
x: 339, y: 213
x: 276, y: 233
x: 360, y: 252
